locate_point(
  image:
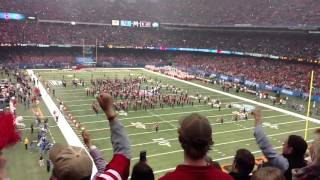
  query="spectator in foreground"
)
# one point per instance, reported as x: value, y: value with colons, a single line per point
x: 293, y: 149
x: 118, y: 167
x: 312, y: 171
x: 243, y: 164
x: 195, y: 137
x: 8, y: 137
x: 70, y: 162
x: 268, y: 173
x: 142, y: 170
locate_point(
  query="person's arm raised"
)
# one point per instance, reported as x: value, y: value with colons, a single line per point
x: 273, y: 157
x: 120, y: 163
x: 94, y: 152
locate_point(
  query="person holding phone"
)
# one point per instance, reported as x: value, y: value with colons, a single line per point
x: 142, y: 170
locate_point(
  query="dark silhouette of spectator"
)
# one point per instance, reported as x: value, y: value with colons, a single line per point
x: 195, y: 137
x: 242, y: 165
x: 312, y: 171
x: 293, y: 149
x: 142, y: 170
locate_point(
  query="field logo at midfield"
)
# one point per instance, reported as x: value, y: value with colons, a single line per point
x: 139, y: 125
x: 55, y: 82
x: 162, y: 142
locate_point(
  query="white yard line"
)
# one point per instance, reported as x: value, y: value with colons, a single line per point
x: 161, y: 119
x: 224, y: 143
x: 165, y: 130
x: 169, y: 114
x: 156, y: 109
x: 222, y: 132
x: 79, y: 100
x: 67, y: 131
x: 238, y: 97
x: 175, y: 120
x: 219, y: 159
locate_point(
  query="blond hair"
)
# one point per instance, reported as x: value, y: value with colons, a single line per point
x: 268, y: 173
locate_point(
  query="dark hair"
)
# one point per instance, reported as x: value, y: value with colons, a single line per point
x: 142, y: 170
x: 212, y: 163
x: 298, y: 145
x: 244, y: 161
x: 195, y: 136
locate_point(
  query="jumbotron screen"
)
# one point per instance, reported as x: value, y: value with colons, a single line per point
x: 11, y: 16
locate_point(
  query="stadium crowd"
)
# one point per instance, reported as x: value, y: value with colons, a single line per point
x: 277, y: 73
x: 281, y: 74
x: 195, y: 137
x: 205, y: 12
x: 280, y: 44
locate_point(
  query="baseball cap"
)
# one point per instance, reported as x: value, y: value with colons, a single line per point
x: 70, y: 162
x: 196, y: 129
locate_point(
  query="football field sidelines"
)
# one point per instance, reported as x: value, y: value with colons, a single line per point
x: 68, y: 133
x: 238, y: 97
x: 244, y: 99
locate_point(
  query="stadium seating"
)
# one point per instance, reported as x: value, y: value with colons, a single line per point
x: 212, y: 12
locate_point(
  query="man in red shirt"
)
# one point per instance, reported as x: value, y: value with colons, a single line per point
x: 195, y: 136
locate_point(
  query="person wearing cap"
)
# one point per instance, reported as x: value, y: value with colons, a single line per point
x: 70, y: 162
x: 118, y: 167
x: 195, y: 137
x: 293, y: 149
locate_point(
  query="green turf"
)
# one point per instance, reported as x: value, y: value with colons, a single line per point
x: 228, y: 137
x: 22, y: 164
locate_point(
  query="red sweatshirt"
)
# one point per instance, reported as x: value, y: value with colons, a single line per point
x: 188, y: 172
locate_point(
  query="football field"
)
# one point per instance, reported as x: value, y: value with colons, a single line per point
x: 163, y: 149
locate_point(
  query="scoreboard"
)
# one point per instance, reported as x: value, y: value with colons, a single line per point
x: 129, y: 23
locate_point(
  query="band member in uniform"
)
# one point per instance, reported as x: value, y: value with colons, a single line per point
x: 95, y: 107
x: 156, y: 127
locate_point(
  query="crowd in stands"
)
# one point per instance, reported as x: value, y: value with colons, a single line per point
x: 205, y: 12
x: 282, y: 74
x: 280, y: 44
x: 276, y: 73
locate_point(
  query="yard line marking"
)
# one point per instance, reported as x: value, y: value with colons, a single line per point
x: 142, y: 133
x: 168, y: 114
x: 238, y: 97
x: 94, y: 99
x: 162, y: 120
x: 175, y: 120
x: 156, y: 109
x: 224, y: 143
x: 64, y: 126
x: 219, y: 159
x: 221, y: 132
